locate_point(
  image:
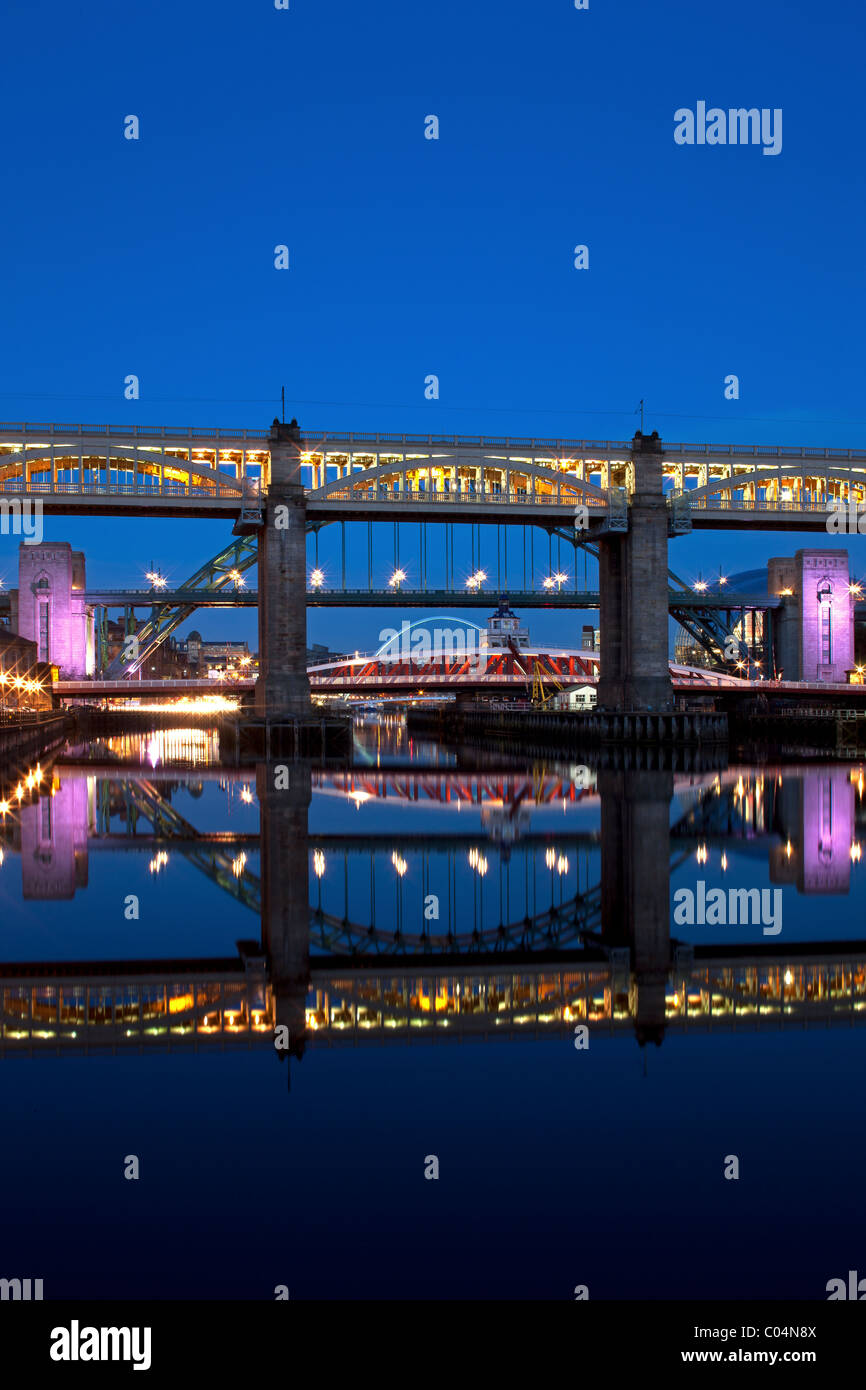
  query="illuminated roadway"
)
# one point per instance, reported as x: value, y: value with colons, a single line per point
x: 371, y: 675
x: 403, y: 597
x: 192, y: 471
x: 533, y: 988
x: 222, y: 1003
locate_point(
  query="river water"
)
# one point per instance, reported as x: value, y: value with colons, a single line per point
x: 289, y: 992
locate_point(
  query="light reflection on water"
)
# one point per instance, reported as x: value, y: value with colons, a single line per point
x: 417, y: 851
x: 426, y: 894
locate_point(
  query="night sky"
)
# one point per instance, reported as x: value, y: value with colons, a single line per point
x: 412, y: 256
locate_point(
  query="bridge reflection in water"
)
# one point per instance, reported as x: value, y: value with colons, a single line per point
x: 603, y: 955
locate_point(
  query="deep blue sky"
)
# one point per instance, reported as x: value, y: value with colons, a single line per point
x: 411, y: 256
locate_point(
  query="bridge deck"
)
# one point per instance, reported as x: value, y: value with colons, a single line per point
x: 91, y: 1005
x: 186, y: 470
x: 412, y: 598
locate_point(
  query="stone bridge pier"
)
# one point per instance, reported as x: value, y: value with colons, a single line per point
x: 283, y: 687
x: 284, y: 791
x: 633, y: 581
x: 635, y: 887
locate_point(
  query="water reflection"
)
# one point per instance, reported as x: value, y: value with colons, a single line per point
x: 419, y: 899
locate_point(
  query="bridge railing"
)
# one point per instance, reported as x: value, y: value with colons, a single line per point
x: 455, y: 496
x: 132, y: 431
x: 222, y: 486
x: 96, y: 684
x: 819, y: 711
x: 315, y: 440
x: 716, y: 503
x: 319, y: 440
x: 802, y: 451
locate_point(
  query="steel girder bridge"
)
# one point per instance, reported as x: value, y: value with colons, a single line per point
x: 189, y: 470
x: 192, y: 471
x: 88, y: 1006
x: 557, y: 926
x: 708, y: 618
x: 490, y: 984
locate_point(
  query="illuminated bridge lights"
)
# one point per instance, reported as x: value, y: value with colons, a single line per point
x: 717, y: 995
x: 147, y: 463
x: 449, y: 787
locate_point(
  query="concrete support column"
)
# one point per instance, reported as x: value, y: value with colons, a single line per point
x: 633, y: 579
x: 283, y: 687
x: 284, y: 792
x: 635, y: 886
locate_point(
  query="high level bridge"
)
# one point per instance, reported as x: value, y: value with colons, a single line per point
x: 84, y: 1007
x: 189, y: 471
x: 625, y: 498
x: 345, y: 981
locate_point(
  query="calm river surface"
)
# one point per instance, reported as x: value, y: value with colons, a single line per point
x: 583, y: 992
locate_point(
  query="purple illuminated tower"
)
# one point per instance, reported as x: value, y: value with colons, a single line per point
x: 54, y: 842
x: 816, y: 813
x: 51, y: 610
x: 814, y: 630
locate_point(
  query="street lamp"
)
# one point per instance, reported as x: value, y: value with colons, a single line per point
x: 397, y: 578
x: 157, y: 579
x: 317, y: 579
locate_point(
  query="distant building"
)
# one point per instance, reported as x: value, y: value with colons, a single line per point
x: 817, y: 819
x: 580, y: 697
x: 814, y: 629
x: 192, y: 647
x: 209, y: 660
x: 503, y: 629
x: 54, y: 843
x: 49, y: 607
x: 318, y: 655
x: 688, y: 652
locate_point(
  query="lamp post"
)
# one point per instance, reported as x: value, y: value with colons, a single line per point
x: 557, y: 579
x: 157, y: 579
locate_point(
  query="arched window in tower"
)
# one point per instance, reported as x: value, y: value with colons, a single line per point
x: 825, y: 622
x: 825, y: 827
x: 43, y: 626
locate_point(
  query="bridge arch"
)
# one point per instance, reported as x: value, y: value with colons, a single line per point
x: 558, y: 926
x: 141, y: 464
x: 388, y: 648
x: 360, y: 482
x: 834, y: 481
